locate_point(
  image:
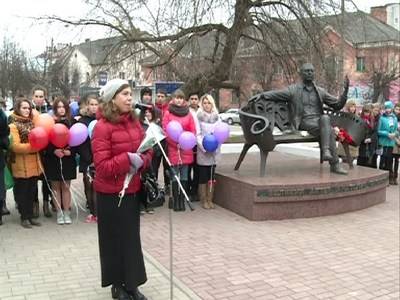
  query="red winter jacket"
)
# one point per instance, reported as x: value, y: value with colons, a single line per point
x: 180, y: 156
x: 163, y: 108
x: 110, y: 145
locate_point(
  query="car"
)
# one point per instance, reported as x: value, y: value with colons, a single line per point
x: 231, y: 116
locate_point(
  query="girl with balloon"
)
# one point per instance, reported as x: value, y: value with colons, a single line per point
x: 86, y: 166
x: 59, y: 160
x: 208, y: 148
x: 25, y: 160
x: 181, y: 130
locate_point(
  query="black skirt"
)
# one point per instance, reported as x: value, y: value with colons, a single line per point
x: 121, y: 257
x: 54, y: 168
x: 206, y: 173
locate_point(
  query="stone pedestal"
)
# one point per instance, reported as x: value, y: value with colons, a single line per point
x: 295, y: 187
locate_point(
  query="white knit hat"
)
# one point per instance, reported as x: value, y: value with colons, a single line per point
x: 108, y: 91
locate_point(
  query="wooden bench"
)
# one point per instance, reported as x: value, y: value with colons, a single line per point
x: 259, y: 118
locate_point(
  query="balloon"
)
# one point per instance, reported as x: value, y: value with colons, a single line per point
x: 174, y: 130
x: 35, y: 115
x: 91, y: 127
x: 221, y: 132
x: 74, y: 108
x: 44, y: 120
x: 78, y: 133
x: 59, y: 135
x: 210, y: 143
x: 187, y: 140
x: 38, y: 138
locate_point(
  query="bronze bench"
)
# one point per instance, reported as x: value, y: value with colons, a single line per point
x: 259, y: 118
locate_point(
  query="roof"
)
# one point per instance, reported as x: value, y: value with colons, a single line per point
x: 97, y: 51
x: 361, y: 27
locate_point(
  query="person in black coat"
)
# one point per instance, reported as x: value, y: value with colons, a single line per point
x: 60, y: 165
x: 88, y: 114
x: 367, y: 149
x: 4, y: 143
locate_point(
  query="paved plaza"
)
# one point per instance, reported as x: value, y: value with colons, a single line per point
x: 217, y: 255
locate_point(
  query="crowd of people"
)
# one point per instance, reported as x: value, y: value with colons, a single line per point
x: 381, y: 146
x: 111, y: 153
x: 56, y: 167
x: 106, y: 158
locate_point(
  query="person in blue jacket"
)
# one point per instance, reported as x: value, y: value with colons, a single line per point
x: 387, y: 133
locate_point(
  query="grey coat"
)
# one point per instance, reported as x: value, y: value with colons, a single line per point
x: 206, y: 158
x: 293, y: 94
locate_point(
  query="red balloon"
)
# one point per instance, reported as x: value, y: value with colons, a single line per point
x: 59, y: 135
x: 38, y: 138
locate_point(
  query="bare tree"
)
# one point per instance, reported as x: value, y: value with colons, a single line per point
x: 15, y: 69
x: 380, y: 81
x: 170, y: 30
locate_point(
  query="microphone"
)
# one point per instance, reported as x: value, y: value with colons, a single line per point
x: 143, y: 106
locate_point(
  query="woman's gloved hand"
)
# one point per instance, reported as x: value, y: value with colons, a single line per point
x: 135, y: 160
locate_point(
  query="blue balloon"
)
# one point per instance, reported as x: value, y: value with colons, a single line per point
x: 210, y: 143
x: 91, y: 127
x: 74, y: 107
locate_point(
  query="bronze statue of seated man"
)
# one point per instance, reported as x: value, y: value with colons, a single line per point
x: 305, y: 100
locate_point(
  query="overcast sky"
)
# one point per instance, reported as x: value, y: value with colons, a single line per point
x: 16, y: 24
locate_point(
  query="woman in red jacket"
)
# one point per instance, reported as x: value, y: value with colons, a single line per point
x: 116, y: 138
x: 178, y: 110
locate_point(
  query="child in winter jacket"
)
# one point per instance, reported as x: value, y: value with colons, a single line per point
x: 387, y: 133
x: 178, y: 110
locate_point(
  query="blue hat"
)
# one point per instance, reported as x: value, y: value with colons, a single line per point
x: 389, y: 104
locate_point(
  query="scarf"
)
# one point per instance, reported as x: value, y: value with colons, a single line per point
x: 179, y: 111
x: 207, y: 117
x: 368, y: 120
x: 24, y: 126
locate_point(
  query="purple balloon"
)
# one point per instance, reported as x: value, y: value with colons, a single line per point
x: 187, y: 140
x: 174, y: 130
x: 221, y: 132
x: 78, y: 133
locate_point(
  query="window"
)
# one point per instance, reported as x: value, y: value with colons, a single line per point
x: 360, y: 64
x: 122, y: 75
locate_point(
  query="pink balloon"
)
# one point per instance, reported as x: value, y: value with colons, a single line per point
x: 221, y: 132
x: 78, y: 133
x: 174, y: 130
x: 187, y: 140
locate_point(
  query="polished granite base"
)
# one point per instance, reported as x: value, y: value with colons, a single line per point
x: 295, y: 187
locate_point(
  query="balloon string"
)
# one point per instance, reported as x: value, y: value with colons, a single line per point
x: 76, y: 204
x: 50, y: 189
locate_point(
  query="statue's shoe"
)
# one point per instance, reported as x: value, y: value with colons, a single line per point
x: 336, y: 168
x: 326, y: 155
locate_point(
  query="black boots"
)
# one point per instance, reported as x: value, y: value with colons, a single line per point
x: 120, y: 293
x: 36, y: 209
x: 137, y: 295
x: 178, y: 198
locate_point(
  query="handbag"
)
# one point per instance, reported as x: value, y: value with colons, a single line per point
x: 156, y: 195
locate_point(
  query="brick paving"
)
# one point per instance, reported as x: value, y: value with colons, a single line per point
x: 217, y: 255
